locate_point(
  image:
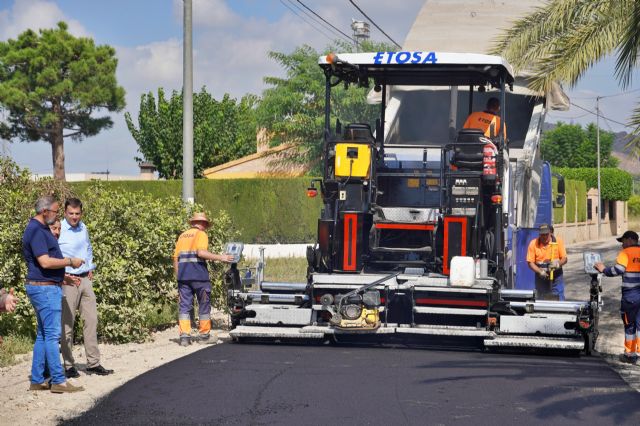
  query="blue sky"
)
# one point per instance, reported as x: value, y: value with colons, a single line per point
x: 231, y: 41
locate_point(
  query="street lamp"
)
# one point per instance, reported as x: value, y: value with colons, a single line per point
x: 598, y: 157
x: 187, y: 106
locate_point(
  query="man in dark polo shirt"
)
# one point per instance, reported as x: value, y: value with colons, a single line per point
x: 45, y: 273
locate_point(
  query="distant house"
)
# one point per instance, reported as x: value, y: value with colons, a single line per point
x: 266, y: 162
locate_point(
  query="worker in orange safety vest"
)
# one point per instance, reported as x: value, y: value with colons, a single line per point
x: 488, y: 120
x: 545, y: 256
x: 628, y: 265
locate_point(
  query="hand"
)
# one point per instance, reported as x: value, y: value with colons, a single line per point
x: 599, y: 266
x: 76, y: 262
x: 90, y: 275
x: 9, y: 301
x: 543, y: 274
x: 71, y: 280
x: 555, y: 264
x: 228, y: 258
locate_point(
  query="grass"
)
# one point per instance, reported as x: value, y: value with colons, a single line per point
x: 634, y: 223
x: 12, y: 346
x: 292, y: 269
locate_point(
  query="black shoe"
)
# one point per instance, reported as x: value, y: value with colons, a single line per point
x: 185, y: 340
x: 628, y: 359
x: 204, y: 338
x: 71, y: 373
x: 99, y: 370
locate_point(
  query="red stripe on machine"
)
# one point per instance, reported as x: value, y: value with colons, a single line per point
x: 350, y: 242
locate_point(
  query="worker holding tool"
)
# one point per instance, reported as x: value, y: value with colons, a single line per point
x: 628, y: 265
x: 190, y: 267
x: 545, y: 256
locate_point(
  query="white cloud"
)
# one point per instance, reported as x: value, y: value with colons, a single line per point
x: 35, y: 14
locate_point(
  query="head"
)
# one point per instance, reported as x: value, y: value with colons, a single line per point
x: 493, y: 105
x: 628, y: 239
x: 73, y: 211
x: 55, y: 228
x: 544, y: 233
x: 47, y: 208
x: 200, y: 221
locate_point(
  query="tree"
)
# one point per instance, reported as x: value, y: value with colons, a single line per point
x: 292, y: 110
x: 51, y: 84
x: 223, y: 131
x: 563, y: 39
x: 569, y: 145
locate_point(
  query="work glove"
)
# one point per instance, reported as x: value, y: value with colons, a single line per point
x: 555, y: 264
x: 543, y: 274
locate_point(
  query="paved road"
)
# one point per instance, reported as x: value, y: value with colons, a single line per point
x: 278, y: 384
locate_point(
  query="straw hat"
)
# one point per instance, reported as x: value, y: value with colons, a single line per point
x: 199, y: 217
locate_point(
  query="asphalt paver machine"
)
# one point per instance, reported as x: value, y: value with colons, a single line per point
x: 417, y: 238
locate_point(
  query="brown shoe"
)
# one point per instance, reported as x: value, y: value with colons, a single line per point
x: 39, y: 386
x: 67, y: 387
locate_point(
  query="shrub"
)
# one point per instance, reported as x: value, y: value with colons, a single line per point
x: 133, y: 237
x: 634, y: 205
x: 616, y: 184
x: 269, y: 210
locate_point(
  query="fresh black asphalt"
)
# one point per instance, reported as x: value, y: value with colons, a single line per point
x: 342, y: 385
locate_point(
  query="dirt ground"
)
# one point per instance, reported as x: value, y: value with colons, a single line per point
x: 22, y: 407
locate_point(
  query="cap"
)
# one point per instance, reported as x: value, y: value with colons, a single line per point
x: 544, y: 229
x: 628, y: 234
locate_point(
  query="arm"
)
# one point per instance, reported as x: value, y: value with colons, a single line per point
x: 89, y: 255
x: 207, y: 255
x: 535, y: 268
x: 48, y: 262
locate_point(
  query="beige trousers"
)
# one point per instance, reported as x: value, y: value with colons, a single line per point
x: 83, y: 299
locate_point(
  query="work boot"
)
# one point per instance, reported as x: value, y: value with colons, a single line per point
x: 628, y: 359
x: 67, y: 387
x: 204, y: 338
x: 99, y: 370
x: 71, y: 373
x: 185, y: 340
x: 39, y: 386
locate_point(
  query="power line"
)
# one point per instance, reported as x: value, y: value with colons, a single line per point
x: 326, y: 22
x: 307, y: 22
x: 373, y: 23
x: 606, y: 118
x: 613, y: 95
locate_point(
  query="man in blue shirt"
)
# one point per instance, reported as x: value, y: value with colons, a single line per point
x: 74, y: 241
x: 45, y: 273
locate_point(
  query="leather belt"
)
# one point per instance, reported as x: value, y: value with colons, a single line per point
x: 82, y: 275
x: 40, y: 283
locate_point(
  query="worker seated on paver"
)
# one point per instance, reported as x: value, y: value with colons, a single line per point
x: 488, y: 121
x: 545, y: 256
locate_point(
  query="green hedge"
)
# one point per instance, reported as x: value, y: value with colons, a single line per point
x: 262, y: 210
x: 634, y: 205
x: 575, y: 201
x: 616, y: 184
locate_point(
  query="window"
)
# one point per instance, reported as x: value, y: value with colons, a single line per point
x: 589, y: 209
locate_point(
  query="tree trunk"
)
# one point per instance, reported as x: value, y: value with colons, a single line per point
x: 57, y: 143
x: 57, y: 151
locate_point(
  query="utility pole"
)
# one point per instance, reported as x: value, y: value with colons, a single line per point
x: 598, y: 156
x: 187, y: 107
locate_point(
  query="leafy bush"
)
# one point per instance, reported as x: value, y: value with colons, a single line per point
x: 634, y: 205
x: 133, y: 237
x: 261, y: 210
x: 616, y: 184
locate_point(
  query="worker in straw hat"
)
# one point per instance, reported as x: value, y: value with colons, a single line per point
x: 190, y: 267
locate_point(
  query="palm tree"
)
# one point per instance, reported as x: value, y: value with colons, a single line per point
x: 561, y: 40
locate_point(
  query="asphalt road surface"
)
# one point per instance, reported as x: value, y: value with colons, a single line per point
x: 343, y: 385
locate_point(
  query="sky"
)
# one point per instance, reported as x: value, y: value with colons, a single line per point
x: 231, y: 41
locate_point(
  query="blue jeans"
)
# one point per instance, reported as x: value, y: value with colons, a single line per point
x: 47, y: 302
